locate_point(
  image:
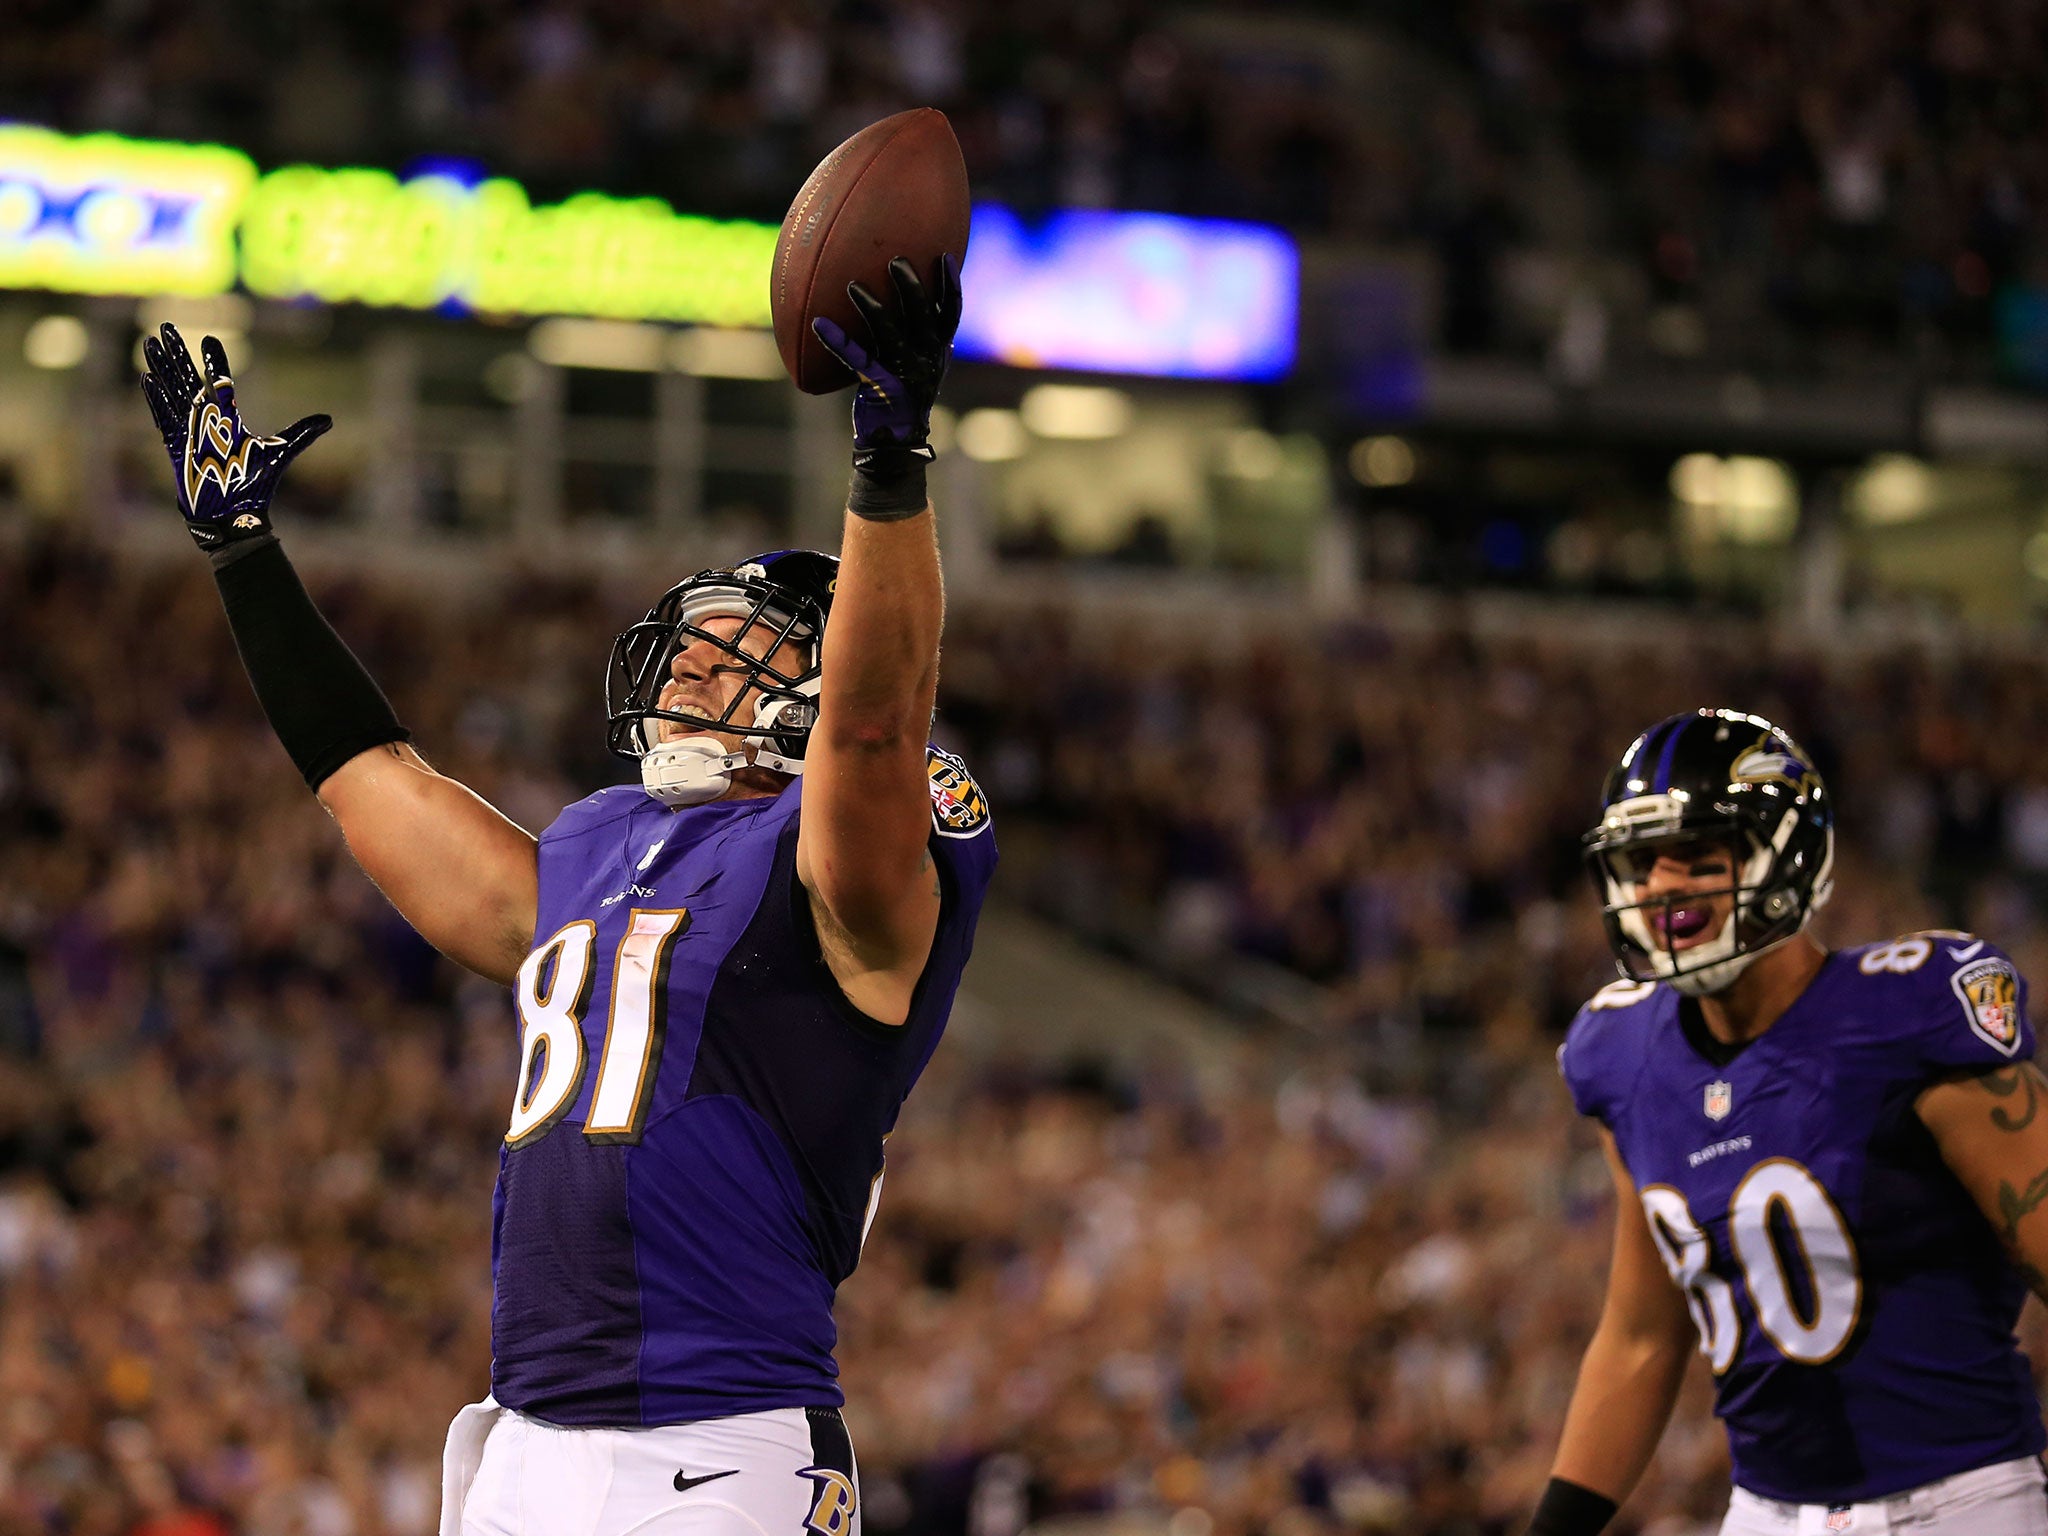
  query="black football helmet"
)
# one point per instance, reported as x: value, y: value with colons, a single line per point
x: 783, y: 596
x: 1719, y: 776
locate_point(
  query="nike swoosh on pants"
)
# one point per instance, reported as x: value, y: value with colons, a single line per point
x: 685, y: 1484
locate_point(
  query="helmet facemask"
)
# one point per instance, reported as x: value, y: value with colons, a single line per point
x: 1764, y: 901
x: 772, y: 712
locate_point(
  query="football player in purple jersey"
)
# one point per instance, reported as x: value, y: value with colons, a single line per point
x: 1829, y: 1169
x: 727, y: 976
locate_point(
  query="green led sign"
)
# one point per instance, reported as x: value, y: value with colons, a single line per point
x: 366, y: 237
x: 104, y: 214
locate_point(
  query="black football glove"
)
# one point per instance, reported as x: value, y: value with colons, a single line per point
x: 225, y: 476
x: 900, y: 369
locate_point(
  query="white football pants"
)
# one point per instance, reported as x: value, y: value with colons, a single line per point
x: 785, y: 1473
x: 2007, y: 1499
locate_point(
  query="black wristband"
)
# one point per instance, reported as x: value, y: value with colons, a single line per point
x: 1567, y: 1509
x: 888, y: 483
x: 323, y: 705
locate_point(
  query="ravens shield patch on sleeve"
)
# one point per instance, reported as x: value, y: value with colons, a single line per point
x: 1990, y: 994
x: 959, y: 808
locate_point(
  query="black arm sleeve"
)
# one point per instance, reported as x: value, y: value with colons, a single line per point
x: 324, y: 707
x: 1570, y: 1510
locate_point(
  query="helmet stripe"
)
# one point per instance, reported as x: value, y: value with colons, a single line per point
x: 1662, y: 782
x: 1638, y: 761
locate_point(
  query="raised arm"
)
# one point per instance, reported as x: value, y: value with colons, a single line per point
x: 1628, y: 1379
x: 862, y: 843
x: 456, y: 869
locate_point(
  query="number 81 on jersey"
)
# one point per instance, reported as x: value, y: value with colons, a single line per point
x: 553, y: 993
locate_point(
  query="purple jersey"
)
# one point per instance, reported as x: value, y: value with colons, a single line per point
x: 696, y: 1141
x: 1854, y: 1303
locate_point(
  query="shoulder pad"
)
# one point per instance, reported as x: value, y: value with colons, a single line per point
x: 596, y: 810
x: 1971, y: 995
x: 1620, y: 994
x: 1603, y: 1048
x: 1912, y: 952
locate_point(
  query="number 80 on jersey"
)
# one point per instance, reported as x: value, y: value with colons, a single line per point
x: 1779, y: 1218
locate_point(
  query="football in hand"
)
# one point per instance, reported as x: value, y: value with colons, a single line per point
x: 896, y: 188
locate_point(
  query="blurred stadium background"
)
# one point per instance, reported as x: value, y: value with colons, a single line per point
x: 1367, y: 417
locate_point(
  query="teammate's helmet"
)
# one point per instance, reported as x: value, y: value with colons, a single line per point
x: 1730, y: 778
x: 784, y: 596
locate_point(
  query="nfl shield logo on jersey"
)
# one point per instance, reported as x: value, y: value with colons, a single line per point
x: 1990, y: 994
x: 1720, y: 1099
x: 1841, y: 1517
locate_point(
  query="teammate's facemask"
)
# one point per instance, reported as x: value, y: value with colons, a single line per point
x: 1696, y: 784
x: 781, y: 599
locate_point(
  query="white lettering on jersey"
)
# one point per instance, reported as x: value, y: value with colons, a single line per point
x: 1716, y: 1149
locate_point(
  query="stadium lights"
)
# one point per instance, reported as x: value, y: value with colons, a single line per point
x: 197, y: 315
x: 629, y: 347
x: 1696, y: 479
x: 56, y: 342
x: 991, y: 436
x: 1893, y: 488
x: 1741, y: 499
x: 620, y: 345
x: 235, y: 341
x: 711, y: 352
x: 1080, y: 412
x: 1382, y: 461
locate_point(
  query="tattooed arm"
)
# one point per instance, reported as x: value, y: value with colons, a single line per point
x: 1992, y: 1128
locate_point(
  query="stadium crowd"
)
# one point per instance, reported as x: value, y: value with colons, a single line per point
x: 1396, y: 817
x: 1863, y: 170
x: 1874, y: 171
x: 248, y: 1122
x: 722, y: 107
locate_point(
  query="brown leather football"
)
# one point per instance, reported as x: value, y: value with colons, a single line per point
x: 896, y: 188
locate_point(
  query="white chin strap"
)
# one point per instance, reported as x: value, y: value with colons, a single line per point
x: 689, y: 770
x: 694, y: 769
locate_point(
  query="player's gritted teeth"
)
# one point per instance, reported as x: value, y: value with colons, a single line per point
x: 691, y: 698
